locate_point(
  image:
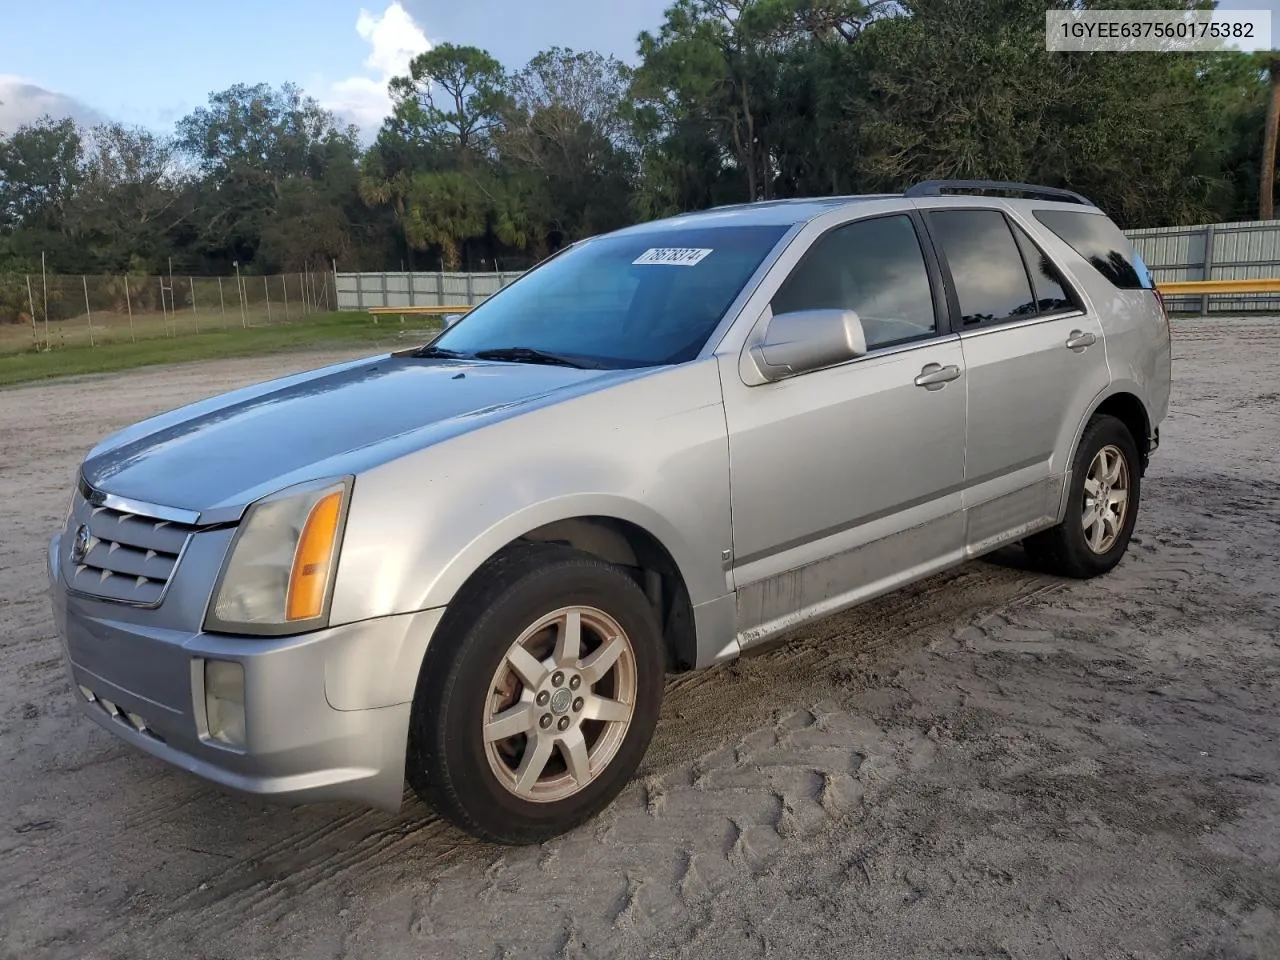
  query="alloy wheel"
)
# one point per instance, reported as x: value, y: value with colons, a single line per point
x: 1106, y: 499
x: 560, y: 704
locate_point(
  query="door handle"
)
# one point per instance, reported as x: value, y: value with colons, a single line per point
x: 935, y: 376
x: 1079, y: 340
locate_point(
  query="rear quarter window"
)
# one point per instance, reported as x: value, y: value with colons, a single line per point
x: 1098, y: 240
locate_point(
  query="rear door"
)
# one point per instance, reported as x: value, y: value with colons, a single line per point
x: 1034, y: 361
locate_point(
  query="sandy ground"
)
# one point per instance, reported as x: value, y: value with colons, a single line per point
x: 991, y: 764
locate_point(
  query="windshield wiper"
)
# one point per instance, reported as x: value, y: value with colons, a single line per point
x: 439, y: 353
x: 528, y: 355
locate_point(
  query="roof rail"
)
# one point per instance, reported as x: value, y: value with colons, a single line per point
x: 936, y: 188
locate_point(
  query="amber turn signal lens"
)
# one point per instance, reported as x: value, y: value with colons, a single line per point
x: 309, y: 578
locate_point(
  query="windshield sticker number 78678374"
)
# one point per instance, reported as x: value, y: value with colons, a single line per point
x: 674, y: 256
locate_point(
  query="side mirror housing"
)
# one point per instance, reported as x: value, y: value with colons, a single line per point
x: 807, y: 340
x: 450, y: 319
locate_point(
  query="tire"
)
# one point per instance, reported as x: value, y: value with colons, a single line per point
x: 1074, y: 548
x: 473, y: 676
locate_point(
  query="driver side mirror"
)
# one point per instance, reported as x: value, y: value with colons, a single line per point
x: 808, y: 340
x: 450, y: 319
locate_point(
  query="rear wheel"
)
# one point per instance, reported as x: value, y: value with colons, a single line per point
x: 538, y: 696
x: 1102, y: 505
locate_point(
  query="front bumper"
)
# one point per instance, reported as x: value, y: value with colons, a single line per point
x: 326, y: 714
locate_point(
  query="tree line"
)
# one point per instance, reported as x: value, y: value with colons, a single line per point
x: 479, y: 167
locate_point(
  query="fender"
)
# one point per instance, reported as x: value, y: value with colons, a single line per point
x: 652, y: 452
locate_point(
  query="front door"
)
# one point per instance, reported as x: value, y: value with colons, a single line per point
x: 846, y: 481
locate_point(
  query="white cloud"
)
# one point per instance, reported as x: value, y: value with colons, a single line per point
x: 23, y: 102
x: 394, y: 40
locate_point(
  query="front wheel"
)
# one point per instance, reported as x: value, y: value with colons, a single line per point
x: 538, y: 696
x: 1102, y: 505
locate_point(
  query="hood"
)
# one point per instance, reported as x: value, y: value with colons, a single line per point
x: 230, y: 450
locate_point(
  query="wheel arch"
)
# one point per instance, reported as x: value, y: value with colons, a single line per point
x: 1123, y: 400
x: 1126, y: 407
x: 628, y: 544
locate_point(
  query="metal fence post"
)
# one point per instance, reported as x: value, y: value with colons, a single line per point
x: 1209, y: 233
x: 222, y: 304
x: 284, y: 287
x: 128, y: 302
x: 87, y: 309
x: 44, y: 277
x: 412, y: 298
x: 471, y: 294
x: 194, y: 313
x: 244, y: 319
x: 384, y: 292
x: 440, y: 288
x: 35, y: 331
x: 266, y: 292
x: 173, y: 302
x: 164, y: 307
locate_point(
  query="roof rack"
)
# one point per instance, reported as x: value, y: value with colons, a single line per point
x: 936, y: 188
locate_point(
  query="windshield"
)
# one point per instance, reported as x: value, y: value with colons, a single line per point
x: 630, y: 300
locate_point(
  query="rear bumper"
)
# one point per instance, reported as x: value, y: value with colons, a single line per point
x: 326, y: 714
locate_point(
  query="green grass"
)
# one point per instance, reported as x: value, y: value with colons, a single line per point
x: 333, y: 330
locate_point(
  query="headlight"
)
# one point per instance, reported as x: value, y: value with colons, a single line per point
x: 279, y: 572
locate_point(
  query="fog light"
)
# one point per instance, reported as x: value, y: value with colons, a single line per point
x: 224, y: 700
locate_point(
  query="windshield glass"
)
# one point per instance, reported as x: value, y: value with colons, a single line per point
x: 621, y: 301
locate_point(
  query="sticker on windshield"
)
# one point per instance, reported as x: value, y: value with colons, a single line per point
x: 674, y: 256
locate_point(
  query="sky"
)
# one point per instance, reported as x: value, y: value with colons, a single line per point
x: 150, y: 62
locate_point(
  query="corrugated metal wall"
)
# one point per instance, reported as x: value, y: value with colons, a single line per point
x: 359, y: 291
x: 1248, y: 250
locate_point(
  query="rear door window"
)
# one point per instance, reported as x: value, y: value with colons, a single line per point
x: 1098, y: 240
x: 986, y: 268
x: 1051, y: 288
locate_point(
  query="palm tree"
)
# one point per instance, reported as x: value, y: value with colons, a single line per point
x: 1267, y: 182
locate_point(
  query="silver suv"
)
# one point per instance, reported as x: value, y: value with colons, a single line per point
x: 472, y: 563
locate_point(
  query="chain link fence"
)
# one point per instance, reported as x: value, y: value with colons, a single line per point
x: 50, y: 311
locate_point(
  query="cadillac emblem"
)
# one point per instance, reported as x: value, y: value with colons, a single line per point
x: 80, y: 544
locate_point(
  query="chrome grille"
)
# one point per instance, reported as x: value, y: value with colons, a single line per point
x: 129, y: 557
